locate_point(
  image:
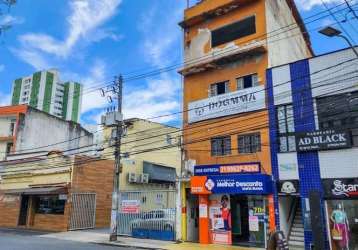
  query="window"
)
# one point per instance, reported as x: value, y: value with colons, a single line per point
x: 219, y: 88
x: 233, y: 31
x: 339, y: 112
x: 28, y: 80
x: 250, y: 143
x: 286, y: 128
x: 9, y: 148
x: 221, y: 146
x: 247, y: 81
x: 49, y: 205
x: 26, y: 87
x: 12, y: 127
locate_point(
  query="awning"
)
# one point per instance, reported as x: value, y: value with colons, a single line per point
x: 38, y: 191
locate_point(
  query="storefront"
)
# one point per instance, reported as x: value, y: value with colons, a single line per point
x: 235, y: 205
x: 341, y: 195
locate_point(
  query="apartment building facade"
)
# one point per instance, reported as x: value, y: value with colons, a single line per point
x: 313, y: 106
x: 26, y: 129
x: 55, y: 192
x: 228, y: 45
x: 44, y: 90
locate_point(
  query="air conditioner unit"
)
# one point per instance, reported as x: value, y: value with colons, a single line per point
x: 132, y: 178
x: 144, y: 178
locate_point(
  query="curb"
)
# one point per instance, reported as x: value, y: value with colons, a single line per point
x: 128, y: 246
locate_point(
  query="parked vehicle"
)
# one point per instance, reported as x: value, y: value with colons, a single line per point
x: 161, y: 219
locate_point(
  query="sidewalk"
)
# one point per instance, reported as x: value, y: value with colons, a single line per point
x: 101, y: 236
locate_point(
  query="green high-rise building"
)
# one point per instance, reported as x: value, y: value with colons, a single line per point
x: 44, y: 90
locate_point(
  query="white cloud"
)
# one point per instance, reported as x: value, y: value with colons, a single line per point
x: 95, y: 76
x: 11, y: 20
x: 2, y: 67
x: 160, y: 95
x: 84, y: 20
x: 5, y: 99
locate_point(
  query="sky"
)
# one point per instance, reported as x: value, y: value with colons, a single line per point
x: 91, y: 41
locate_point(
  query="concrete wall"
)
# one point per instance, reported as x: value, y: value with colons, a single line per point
x: 37, y: 129
x: 285, y: 42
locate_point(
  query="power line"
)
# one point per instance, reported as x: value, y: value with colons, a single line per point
x: 226, y: 124
x: 351, y: 9
x: 338, y: 22
x: 205, y: 57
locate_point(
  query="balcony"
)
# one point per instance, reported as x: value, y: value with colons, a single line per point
x: 218, y: 57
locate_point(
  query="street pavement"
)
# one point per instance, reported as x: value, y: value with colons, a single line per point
x: 30, y: 240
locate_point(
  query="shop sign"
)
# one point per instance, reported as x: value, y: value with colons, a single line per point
x: 232, y: 184
x: 236, y: 102
x: 288, y: 187
x: 130, y: 206
x: 322, y: 140
x: 341, y: 188
x: 237, y: 168
x: 62, y: 197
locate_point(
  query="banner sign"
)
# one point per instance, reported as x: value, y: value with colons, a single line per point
x: 288, y: 187
x: 220, y: 219
x: 231, y: 184
x: 322, y: 140
x: 130, y: 206
x: 236, y: 102
x: 227, y: 169
x: 338, y: 188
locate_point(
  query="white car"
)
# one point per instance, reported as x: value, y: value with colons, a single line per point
x: 160, y: 219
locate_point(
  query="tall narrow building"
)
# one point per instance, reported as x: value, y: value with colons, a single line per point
x: 228, y: 46
x: 44, y: 90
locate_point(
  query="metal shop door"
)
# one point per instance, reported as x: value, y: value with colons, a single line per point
x: 83, y: 212
x: 147, y: 214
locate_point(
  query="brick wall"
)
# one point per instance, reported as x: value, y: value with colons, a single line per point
x: 49, y: 222
x: 95, y: 176
x: 9, y: 210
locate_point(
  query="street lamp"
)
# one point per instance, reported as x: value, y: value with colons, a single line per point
x: 332, y: 32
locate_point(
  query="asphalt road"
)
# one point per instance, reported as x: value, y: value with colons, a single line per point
x: 30, y: 240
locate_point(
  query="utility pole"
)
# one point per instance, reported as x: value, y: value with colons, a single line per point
x: 115, y: 119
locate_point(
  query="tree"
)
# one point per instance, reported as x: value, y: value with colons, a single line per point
x: 5, y: 5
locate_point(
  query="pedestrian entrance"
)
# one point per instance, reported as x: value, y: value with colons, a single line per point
x: 83, y: 212
x: 147, y: 214
x: 23, y: 210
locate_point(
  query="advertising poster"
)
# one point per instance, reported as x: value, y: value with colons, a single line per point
x: 220, y: 219
x: 130, y: 206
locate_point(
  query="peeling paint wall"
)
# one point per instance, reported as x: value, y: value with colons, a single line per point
x: 285, y: 41
x: 198, y: 37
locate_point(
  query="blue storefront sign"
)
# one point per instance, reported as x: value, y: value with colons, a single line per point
x: 238, y: 184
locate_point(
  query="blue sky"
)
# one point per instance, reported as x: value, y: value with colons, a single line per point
x: 90, y: 41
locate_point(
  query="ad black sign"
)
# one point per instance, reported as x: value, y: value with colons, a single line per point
x: 288, y: 187
x: 340, y: 188
x: 322, y: 140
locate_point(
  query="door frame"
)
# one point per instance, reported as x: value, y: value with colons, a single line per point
x: 20, y: 210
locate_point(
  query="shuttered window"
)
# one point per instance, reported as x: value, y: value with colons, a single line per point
x: 219, y: 88
x: 221, y: 146
x: 250, y: 143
